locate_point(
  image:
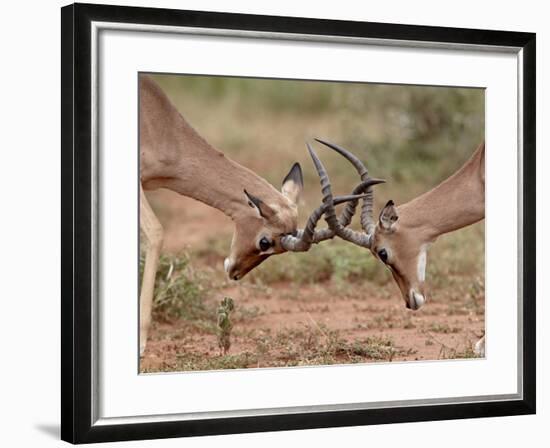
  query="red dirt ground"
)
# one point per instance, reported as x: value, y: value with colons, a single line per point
x: 441, y: 329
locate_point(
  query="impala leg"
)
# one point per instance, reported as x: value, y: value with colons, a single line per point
x: 153, y: 231
x: 479, y: 348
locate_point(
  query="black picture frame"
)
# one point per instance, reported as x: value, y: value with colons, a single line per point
x: 77, y: 424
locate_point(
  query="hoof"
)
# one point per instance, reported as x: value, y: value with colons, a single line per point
x: 479, y: 348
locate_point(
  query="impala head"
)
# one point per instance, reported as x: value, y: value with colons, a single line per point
x: 400, y: 248
x: 404, y: 252
x: 262, y: 224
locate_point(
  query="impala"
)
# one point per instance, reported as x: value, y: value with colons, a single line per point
x: 402, y: 235
x: 174, y: 156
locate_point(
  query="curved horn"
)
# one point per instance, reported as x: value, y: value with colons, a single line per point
x: 299, y: 243
x: 367, y: 220
x: 308, y: 236
x: 330, y: 213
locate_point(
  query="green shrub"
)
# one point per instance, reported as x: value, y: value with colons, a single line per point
x: 178, y: 290
x: 336, y: 261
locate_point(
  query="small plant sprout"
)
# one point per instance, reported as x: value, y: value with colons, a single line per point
x: 224, y: 324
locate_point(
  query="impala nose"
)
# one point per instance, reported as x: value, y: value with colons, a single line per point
x: 231, y: 270
x: 416, y: 300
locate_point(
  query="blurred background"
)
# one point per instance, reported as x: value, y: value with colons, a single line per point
x: 336, y: 303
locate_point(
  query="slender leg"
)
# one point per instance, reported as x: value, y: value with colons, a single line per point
x: 479, y: 348
x: 153, y: 231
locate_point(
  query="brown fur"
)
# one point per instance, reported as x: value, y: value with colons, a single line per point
x: 174, y: 156
x: 455, y: 203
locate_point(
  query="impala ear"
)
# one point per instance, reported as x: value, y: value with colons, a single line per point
x: 264, y: 210
x: 293, y: 183
x: 388, y: 216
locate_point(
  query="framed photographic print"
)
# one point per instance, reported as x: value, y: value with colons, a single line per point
x: 275, y: 223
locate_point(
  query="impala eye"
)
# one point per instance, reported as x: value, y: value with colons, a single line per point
x: 265, y: 244
x: 383, y: 255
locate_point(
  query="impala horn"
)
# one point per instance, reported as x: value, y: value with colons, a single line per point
x: 367, y: 221
x: 309, y: 235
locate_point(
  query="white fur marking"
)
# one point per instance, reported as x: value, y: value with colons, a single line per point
x: 416, y: 300
x: 419, y: 300
x: 271, y: 250
x: 421, y: 268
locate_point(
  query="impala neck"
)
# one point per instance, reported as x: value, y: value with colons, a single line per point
x: 455, y: 203
x: 176, y: 157
x: 205, y: 174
